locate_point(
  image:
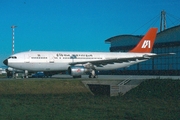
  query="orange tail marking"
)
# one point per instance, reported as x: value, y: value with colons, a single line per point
x: 146, y: 43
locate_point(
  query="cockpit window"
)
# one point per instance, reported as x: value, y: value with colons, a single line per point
x: 13, y: 57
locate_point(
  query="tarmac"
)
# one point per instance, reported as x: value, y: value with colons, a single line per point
x: 111, y: 77
x: 120, y: 77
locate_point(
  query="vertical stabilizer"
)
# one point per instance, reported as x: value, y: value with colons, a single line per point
x: 146, y: 43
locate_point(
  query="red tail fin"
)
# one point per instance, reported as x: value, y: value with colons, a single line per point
x: 146, y: 43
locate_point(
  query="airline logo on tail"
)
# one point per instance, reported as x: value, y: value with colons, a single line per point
x: 147, y: 43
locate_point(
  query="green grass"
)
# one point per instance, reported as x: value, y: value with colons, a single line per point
x: 68, y: 99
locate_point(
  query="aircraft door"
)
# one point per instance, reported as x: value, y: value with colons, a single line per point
x: 27, y: 58
x: 51, y: 59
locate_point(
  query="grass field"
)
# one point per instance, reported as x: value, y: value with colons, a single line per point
x: 46, y: 99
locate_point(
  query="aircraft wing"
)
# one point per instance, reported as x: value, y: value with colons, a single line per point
x: 120, y: 60
x: 109, y: 61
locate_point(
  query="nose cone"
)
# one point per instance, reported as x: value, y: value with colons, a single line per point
x: 5, y: 62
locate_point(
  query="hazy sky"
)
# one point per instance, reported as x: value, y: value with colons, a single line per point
x: 76, y: 25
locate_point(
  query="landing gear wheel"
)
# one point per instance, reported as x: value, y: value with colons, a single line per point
x: 89, y: 76
x: 95, y: 76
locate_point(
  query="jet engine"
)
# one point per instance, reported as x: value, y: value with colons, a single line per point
x: 77, y: 70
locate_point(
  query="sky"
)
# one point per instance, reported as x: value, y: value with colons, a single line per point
x: 76, y: 25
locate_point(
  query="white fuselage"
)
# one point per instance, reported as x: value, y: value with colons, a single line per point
x: 57, y: 61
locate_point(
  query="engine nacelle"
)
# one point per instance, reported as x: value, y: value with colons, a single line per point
x: 77, y: 70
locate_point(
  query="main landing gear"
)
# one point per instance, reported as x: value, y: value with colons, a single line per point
x: 93, y: 74
x: 26, y: 74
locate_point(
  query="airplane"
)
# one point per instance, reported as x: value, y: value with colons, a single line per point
x: 79, y: 63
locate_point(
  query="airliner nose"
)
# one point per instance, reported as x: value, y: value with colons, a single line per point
x: 5, y: 62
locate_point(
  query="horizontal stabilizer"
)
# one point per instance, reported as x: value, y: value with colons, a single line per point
x: 158, y: 55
